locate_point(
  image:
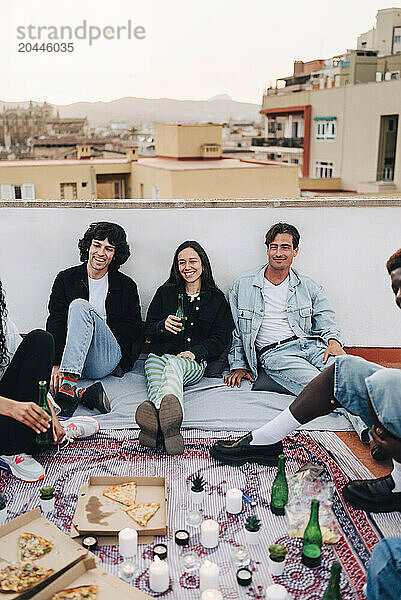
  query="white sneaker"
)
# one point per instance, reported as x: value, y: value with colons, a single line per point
x: 80, y: 427
x: 22, y: 466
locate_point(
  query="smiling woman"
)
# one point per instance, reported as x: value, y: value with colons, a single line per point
x: 182, y: 342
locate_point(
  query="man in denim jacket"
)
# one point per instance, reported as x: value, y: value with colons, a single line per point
x: 282, y: 318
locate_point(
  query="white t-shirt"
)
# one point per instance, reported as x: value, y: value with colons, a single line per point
x: 275, y: 326
x: 13, y: 340
x: 98, y: 289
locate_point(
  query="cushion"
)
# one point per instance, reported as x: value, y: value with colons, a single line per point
x: 265, y: 383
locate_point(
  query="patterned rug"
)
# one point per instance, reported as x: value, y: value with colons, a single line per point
x: 118, y: 453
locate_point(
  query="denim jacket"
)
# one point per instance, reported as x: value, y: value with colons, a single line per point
x: 308, y: 309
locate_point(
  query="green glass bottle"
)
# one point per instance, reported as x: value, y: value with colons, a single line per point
x: 45, y: 437
x: 312, y: 542
x: 180, y: 311
x: 333, y: 589
x: 279, y: 497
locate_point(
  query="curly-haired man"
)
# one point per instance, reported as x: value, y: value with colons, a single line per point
x: 95, y: 319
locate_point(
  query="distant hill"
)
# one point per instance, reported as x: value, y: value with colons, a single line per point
x: 219, y: 109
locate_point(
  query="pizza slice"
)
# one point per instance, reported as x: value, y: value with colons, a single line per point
x: 14, y: 578
x: 142, y: 513
x: 32, y: 546
x: 83, y: 592
x: 124, y: 493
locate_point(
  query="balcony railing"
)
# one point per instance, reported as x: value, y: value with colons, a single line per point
x: 282, y: 142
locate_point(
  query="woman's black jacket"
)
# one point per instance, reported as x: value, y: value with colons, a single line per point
x: 208, y: 323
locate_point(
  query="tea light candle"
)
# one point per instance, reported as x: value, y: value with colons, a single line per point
x: 159, y: 579
x: 234, y: 501
x: 190, y: 561
x: 276, y: 592
x: 212, y: 595
x: 160, y: 550
x: 209, y: 533
x: 208, y: 576
x: 127, y: 570
x: 90, y: 542
x: 240, y: 555
x: 181, y: 537
x: 244, y: 576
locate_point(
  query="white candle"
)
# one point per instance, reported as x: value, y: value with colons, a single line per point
x: 208, y: 576
x: 159, y: 579
x: 128, y: 542
x: 209, y: 533
x: 276, y: 592
x: 234, y: 501
x: 212, y: 595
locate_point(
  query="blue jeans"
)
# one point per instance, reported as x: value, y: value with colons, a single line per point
x: 356, y: 377
x: 91, y: 350
x: 294, y: 364
x: 384, y: 572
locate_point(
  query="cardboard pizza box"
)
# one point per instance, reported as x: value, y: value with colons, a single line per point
x: 65, y: 552
x: 87, y: 572
x: 97, y: 514
x: 109, y: 540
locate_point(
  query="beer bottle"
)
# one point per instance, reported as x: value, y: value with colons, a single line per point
x: 312, y: 542
x: 279, y: 497
x: 333, y: 589
x: 45, y: 437
x: 180, y: 311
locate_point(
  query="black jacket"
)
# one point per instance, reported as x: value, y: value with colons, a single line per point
x: 208, y: 323
x: 122, y: 308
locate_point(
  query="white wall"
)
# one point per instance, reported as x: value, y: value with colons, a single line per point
x: 343, y: 248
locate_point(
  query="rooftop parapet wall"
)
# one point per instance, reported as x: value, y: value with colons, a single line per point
x: 344, y: 245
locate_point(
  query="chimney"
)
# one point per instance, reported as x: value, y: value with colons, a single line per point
x: 84, y: 151
x: 132, y: 153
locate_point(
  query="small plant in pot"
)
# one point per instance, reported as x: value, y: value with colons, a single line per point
x: 276, y: 559
x: 3, y: 509
x: 197, y: 489
x: 47, y: 498
x: 252, y: 529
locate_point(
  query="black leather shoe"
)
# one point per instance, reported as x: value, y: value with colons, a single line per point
x: 95, y: 397
x: 239, y: 452
x: 147, y: 418
x: 373, y: 495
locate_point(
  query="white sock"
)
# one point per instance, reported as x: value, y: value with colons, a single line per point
x: 396, y: 475
x: 275, y: 430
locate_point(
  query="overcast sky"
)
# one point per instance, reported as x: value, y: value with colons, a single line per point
x: 192, y: 50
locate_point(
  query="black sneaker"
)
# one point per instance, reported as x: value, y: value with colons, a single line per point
x: 239, y: 452
x: 147, y: 418
x: 94, y: 396
x: 68, y: 404
x: 373, y: 495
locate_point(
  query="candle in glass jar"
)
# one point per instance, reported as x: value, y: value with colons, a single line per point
x: 128, y: 542
x: 234, y: 501
x: 208, y: 576
x: 209, y: 533
x: 212, y: 595
x: 159, y: 579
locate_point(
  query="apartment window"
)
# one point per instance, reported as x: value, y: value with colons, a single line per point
x: 26, y: 191
x: 68, y: 191
x: 325, y: 130
x: 324, y: 169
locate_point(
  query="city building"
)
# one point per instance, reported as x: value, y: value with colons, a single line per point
x: 338, y: 119
x: 188, y: 164
x: 18, y: 127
